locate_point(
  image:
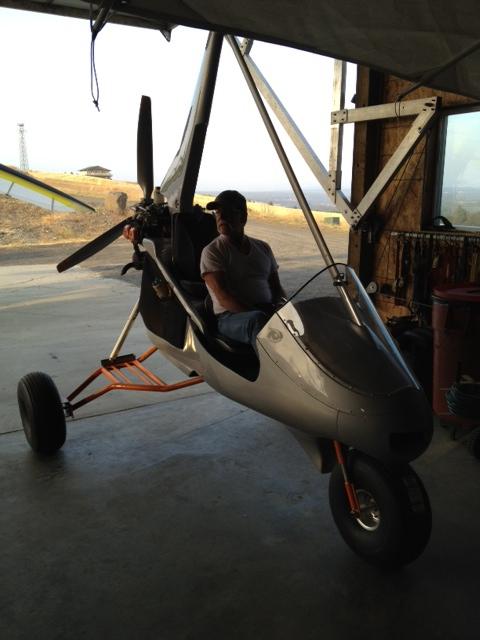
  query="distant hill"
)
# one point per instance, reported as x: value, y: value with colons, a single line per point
x: 26, y: 224
x: 316, y: 198
x: 92, y: 190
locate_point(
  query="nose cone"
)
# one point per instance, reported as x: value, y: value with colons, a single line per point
x: 395, y: 429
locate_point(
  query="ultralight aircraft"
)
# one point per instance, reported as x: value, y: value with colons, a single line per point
x: 325, y: 365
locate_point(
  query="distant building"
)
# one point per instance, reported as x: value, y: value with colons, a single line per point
x: 96, y: 172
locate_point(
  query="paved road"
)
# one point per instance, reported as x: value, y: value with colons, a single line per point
x: 293, y: 246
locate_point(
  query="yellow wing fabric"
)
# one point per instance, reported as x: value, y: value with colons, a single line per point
x: 19, y: 185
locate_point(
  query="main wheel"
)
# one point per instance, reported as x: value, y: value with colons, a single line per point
x: 395, y: 519
x: 41, y: 412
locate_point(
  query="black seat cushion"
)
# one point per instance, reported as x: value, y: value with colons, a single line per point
x: 191, y: 232
x: 211, y: 323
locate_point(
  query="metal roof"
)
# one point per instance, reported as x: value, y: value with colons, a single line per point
x: 96, y: 168
x: 409, y: 39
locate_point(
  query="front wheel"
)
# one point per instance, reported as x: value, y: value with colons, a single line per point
x: 395, y: 519
x: 41, y: 412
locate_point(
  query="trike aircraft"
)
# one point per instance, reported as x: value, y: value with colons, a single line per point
x: 324, y: 364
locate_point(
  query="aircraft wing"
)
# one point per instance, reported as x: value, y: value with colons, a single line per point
x: 408, y: 38
x: 23, y: 187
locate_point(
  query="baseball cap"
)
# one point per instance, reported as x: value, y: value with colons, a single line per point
x: 229, y: 199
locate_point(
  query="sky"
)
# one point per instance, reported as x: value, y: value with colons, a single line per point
x: 45, y: 80
x: 462, y: 152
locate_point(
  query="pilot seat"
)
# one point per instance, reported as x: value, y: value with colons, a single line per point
x: 178, y: 246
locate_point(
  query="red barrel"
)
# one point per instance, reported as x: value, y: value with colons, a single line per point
x: 456, y: 341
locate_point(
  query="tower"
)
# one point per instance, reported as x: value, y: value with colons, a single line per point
x: 22, y: 147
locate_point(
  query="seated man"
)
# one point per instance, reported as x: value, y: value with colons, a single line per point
x: 241, y: 273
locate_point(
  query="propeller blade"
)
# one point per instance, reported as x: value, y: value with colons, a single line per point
x: 145, y: 148
x: 93, y: 247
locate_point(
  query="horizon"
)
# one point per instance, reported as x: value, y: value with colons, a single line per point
x: 281, y: 197
x: 201, y: 190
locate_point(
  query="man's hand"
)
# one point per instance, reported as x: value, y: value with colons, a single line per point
x: 130, y: 233
x: 217, y: 283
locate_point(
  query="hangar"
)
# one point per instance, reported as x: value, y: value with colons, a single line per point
x: 413, y: 208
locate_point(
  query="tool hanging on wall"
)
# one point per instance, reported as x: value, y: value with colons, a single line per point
x: 403, y: 270
x: 425, y: 260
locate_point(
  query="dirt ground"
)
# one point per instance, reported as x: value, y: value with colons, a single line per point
x: 24, y: 224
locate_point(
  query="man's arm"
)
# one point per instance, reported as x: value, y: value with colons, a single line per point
x: 276, y: 287
x: 216, y: 282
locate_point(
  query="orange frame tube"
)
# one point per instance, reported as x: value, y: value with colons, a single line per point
x: 119, y: 381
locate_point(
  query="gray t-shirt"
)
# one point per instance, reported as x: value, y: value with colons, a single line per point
x: 246, y: 274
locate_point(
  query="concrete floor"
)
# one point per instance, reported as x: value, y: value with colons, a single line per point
x: 193, y: 517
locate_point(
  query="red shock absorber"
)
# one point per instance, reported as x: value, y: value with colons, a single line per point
x: 349, y: 488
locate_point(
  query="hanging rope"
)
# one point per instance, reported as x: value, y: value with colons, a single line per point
x: 93, y: 76
x: 104, y: 14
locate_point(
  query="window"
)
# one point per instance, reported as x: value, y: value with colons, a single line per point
x: 459, y: 184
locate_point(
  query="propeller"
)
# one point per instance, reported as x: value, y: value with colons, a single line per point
x: 144, y: 179
x: 93, y: 247
x: 145, y: 148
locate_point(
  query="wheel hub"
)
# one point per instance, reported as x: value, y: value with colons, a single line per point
x: 369, y: 518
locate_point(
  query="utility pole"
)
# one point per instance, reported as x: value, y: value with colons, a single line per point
x: 22, y: 148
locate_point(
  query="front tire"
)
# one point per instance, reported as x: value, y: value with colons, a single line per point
x: 395, y: 522
x: 41, y: 411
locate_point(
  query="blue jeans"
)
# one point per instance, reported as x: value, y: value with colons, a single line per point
x: 243, y: 326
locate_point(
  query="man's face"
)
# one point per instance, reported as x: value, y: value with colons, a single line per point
x: 230, y: 222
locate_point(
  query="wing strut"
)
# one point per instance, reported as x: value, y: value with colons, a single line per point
x: 425, y: 109
x: 307, y: 212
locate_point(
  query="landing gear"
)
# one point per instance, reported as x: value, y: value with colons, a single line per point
x: 41, y: 411
x: 393, y: 520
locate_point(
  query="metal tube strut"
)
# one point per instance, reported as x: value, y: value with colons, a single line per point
x: 323, y: 176
x: 336, y: 133
x: 125, y: 331
x: 119, y: 381
x: 331, y: 180
x: 317, y: 234
x: 292, y: 178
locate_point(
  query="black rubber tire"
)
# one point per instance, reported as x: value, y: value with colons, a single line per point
x: 41, y: 411
x: 474, y: 443
x: 405, y: 521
